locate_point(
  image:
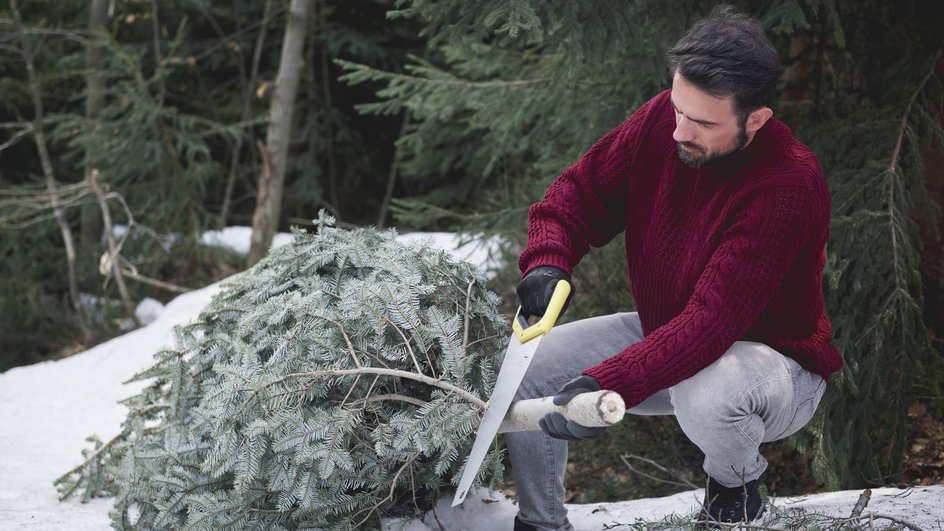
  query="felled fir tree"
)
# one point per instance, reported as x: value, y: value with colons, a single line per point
x: 338, y: 381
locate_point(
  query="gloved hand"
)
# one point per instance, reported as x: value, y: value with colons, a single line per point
x: 536, y: 288
x: 557, y: 426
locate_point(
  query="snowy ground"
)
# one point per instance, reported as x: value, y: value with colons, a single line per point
x: 48, y: 409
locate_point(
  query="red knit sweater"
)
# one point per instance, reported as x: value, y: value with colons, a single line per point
x: 731, y: 251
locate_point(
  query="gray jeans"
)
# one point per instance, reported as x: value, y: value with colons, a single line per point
x: 751, y: 395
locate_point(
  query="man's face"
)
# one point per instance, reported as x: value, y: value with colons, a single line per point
x: 706, y: 127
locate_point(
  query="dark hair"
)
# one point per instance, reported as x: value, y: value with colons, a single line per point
x: 727, y: 54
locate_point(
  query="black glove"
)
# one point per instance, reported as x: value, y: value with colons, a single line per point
x: 536, y: 288
x: 557, y: 426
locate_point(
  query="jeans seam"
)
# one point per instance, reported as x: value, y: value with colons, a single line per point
x: 552, y: 386
x: 552, y: 475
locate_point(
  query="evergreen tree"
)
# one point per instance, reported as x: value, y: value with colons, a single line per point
x: 339, y: 380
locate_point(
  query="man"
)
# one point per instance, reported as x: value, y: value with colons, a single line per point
x: 726, y: 218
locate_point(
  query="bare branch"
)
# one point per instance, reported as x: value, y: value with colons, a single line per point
x: 406, y: 342
x: 467, y: 324
x: 882, y: 516
x: 133, y: 274
x: 392, y: 396
x: 25, y: 130
x: 111, y: 262
x: 683, y: 482
x: 446, y: 386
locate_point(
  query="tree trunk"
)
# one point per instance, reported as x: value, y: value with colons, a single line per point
x: 91, y: 231
x: 51, y: 186
x: 265, y: 219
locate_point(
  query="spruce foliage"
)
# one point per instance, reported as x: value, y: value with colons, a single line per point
x: 336, y: 382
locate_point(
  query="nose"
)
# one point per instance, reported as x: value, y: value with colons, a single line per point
x: 684, y: 132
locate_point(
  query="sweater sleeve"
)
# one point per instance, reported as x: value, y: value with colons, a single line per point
x: 585, y: 206
x: 748, y: 266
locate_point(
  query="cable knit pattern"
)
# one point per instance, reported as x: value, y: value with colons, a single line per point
x: 731, y: 251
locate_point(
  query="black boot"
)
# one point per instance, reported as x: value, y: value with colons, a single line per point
x: 521, y: 526
x: 731, y: 504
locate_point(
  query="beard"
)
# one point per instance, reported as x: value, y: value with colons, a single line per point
x: 698, y: 155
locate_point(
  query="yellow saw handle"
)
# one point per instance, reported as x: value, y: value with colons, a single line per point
x: 526, y: 332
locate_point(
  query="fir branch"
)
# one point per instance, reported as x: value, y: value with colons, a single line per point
x: 893, y: 173
x: 893, y: 162
x: 446, y: 386
x: 361, y: 73
x: 93, y: 457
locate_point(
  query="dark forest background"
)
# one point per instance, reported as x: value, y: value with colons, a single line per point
x: 128, y: 128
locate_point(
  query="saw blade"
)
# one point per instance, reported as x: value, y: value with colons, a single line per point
x: 517, y: 358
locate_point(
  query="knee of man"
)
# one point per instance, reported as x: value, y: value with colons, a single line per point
x: 739, y: 383
x: 698, y: 404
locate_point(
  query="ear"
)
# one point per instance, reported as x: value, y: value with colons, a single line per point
x: 757, y: 119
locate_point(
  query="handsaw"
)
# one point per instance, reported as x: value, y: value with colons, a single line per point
x: 521, y: 347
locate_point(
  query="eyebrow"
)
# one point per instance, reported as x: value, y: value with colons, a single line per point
x: 702, y: 122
